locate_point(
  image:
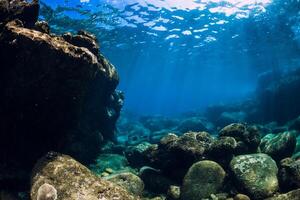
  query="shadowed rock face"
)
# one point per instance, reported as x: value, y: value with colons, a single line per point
x: 55, y: 95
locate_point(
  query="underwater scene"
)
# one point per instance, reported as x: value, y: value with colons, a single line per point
x: 150, y: 99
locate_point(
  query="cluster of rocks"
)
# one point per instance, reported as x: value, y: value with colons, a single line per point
x: 57, y: 93
x: 236, y: 164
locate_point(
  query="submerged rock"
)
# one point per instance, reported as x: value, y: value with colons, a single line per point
x: 279, y: 146
x: 255, y: 174
x: 203, y: 179
x: 222, y: 150
x: 54, y: 95
x: 175, y: 154
x: 63, y: 176
x: 289, y: 174
x: 136, y: 155
x: 247, y: 137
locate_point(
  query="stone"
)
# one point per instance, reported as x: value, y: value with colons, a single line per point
x: 279, y: 146
x: 247, y: 137
x: 168, y: 155
x: 289, y: 174
x: 136, y: 154
x: 292, y: 195
x: 241, y: 197
x: 202, y: 179
x: 129, y: 181
x: 222, y: 150
x: 83, y: 39
x: 71, y: 180
x: 255, y: 174
x: 173, y: 192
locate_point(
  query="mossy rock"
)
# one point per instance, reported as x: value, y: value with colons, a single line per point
x: 255, y: 174
x: 202, y: 179
x: 71, y: 180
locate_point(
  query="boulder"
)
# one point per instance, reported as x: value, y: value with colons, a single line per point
x: 136, y: 155
x: 57, y: 176
x: 175, y: 154
x: 255, y: 174
x: 54, y: 96
x: 289, y: 174
x: 279, y: 146
x: 247, y: 137
x: 222, y: 150
x: 202, y: 179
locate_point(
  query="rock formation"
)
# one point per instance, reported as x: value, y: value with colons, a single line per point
x: 57, y: 92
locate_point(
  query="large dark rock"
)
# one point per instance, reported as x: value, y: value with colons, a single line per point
x: 289, y: 174
x: 175, y: 154
x: 54, y: 96
x: 246, y: 136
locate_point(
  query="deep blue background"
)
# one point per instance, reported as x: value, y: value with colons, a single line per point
x: 175, y: 57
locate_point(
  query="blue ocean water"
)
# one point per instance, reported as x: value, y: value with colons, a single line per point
x: 179, y: 55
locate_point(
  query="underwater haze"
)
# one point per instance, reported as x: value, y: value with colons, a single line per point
x: 180, y: 55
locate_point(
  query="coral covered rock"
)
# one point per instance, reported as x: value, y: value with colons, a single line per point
x: 255, y: 174
x: 69, y: 180
x: 203, y: 179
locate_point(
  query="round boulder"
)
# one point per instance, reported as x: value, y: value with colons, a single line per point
x: 202, y: 179
x: 255, y: 174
